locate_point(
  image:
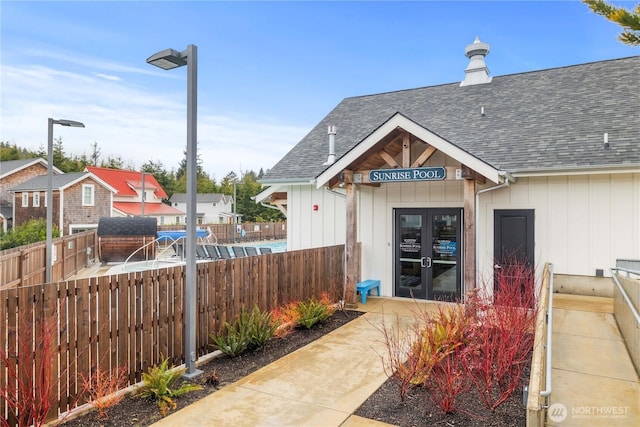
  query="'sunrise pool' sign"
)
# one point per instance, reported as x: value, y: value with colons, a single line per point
x: 411, y: 174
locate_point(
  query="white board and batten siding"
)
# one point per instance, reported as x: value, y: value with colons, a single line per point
x: 582, y: 222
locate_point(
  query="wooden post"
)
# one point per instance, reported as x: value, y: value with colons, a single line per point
x: 406, y: 150
x: 469, y: 238
x: 351, y: 240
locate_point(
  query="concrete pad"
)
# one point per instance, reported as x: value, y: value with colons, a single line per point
x: 368, y: 329
x: 585, y: 323
x: 322, y: 375
x: 236, y: 406
x: 598, y: 357
x: 583, y: 303
x: 594, y: 401
x: 356, y: 421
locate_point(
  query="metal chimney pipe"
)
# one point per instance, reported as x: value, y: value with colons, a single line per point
x: 332, y: 145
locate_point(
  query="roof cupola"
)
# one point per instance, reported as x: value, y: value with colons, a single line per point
x: 477, y: 71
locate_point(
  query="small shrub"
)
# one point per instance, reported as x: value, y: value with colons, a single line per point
x: 27, y: 367
x: 259, y: 326
x: 286, y: 317
x: 314, y: 311
x: 504, y: 338
x: 233, y: 342
x: 103, y: 387
x: 158, y: 383
x: 249, y: 332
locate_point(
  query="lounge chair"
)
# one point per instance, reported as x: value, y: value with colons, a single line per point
x: 251, y: 250
x: 265, y: 251
x: 179, y: 249
x: 201, y: 252
x: 212, y: 251
x: 224, y: 252
x: 238, y: 251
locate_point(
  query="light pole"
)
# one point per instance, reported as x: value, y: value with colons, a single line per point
x: 49, y: 199
x: 167, y: 60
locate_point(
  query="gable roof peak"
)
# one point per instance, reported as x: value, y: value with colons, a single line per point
x: 476, y: 72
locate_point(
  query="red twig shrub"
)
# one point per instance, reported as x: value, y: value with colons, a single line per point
x: 286, y: 317
x: 484, y: 344
x: 103, y: 387
x: 448, y: 335
x: 503, y: 335
x: 29, y: 384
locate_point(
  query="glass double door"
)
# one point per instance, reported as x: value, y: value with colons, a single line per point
x: 427, y: 253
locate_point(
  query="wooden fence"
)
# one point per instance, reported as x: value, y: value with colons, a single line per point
x: 130, y: 320
x: 245, y: 232
x: 25, y: 266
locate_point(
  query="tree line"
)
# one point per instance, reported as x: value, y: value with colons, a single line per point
x: 172, y: 181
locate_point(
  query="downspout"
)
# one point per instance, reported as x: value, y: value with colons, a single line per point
x: 508, y: 180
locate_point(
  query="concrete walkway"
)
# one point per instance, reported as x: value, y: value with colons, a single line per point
x: 594, y: 382
x: 321, y: 384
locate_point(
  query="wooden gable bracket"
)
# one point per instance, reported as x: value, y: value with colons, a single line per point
x: 468, y: 173
x: 388, y: 158
x: 422, y: 158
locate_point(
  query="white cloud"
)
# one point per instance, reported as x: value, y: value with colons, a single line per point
x: 107, y: 77
x: 137, y: 124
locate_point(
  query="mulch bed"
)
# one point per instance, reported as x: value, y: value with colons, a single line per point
x: 418, y: 410
x: 384, y: 405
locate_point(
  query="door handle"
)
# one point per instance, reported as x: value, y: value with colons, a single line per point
x: 428, y: 262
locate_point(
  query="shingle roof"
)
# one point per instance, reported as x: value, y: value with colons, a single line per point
x: 8, y: 167
x: 549, y: 119
x: 58, y: 181
x: 200, y: 197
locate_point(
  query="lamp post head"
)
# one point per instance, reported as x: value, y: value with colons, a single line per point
x: 69, y: 123
x: 167, y: 59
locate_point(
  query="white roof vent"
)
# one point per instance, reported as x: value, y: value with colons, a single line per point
x: 476, y: 72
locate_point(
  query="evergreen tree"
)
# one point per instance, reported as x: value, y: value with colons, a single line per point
x: 629, y: 20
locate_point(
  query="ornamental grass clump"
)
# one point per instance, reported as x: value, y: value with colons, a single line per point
x: 314, y: 311
x: 158, y: 383
x: 251, y: 330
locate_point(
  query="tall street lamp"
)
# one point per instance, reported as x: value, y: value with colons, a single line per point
x: 49, y: 199
x: 169, y: 59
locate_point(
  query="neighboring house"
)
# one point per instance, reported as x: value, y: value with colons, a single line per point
x: 12, y: 173
x: 80, y: 199
x: 211, y: 208
x: 439, y: 183
x: 129, y: 200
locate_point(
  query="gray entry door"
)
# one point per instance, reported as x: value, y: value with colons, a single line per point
x: 513, y: 240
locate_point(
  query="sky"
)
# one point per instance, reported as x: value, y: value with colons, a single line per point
x: 267, y: 71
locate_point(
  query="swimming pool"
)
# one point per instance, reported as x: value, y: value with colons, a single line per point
x: 132, y: 267
x: 275, y: 246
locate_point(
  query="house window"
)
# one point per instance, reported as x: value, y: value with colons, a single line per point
x: 25, y: 200
x: 88, y: 191
x: 161, y: 220
x: 177, y: 220
x: 36, y: 200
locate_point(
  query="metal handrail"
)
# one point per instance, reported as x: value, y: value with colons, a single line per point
x: 625, y: 297
x: 546, y: 392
